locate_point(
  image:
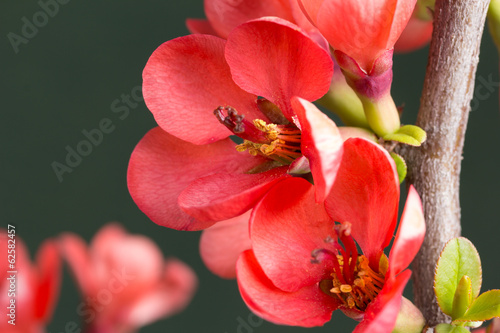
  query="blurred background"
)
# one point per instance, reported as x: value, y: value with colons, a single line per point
x: 64, y: 80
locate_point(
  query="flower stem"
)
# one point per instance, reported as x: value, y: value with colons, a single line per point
x: 434, y: 168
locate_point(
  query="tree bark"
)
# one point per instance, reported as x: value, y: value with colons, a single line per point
x: 434, y: 168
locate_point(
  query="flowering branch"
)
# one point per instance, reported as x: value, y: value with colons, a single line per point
x: 434, y: 168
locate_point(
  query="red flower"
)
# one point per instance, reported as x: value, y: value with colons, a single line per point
x: 303, y: 265
x: 36, y: 286
x: 124, y: 280
x: 188, y: 174
x: 362, y: 30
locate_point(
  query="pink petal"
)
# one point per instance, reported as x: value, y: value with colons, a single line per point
x: 410, y: 234
x: 222, y: 243
x: 169, y: 297
x: 200, y: 26
x: 223, y: 196
x: 272, y: 58
x: 321, y: 144
x: 381, y: 314
x: 225, y: 15
x: 361, y: 29
x: 49, y: 280
x: 366, y: 194
x: 161, y: 166
x: 307, y: 307
x: 310, y: 8
x: 185, y: 80
x: 76, y: 254
x: 286, y: 227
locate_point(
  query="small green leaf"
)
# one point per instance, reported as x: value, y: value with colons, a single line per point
x: 447, y: 328
x: 408, y: 134
x: 463, y: 297
x: 485, y: 307
x: 400, y: 166
x: 458, y: 258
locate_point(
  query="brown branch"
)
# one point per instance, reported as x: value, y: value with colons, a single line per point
x: 434, y: 168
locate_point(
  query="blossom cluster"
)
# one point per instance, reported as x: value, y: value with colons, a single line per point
x: 298, y: 209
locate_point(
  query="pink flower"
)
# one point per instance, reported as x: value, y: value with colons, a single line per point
x: 188, y: 174
x: 362, y: 30
x: 124, y: 280
x: 303, y: 265
x: 225, y: 15
x: 36, y: 285
x: 417, y: 33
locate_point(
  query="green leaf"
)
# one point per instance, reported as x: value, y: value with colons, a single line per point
x: 463, y: 297
x: 408, y: 134
x: 447, y: 328
x: 485, y: 307
x: 400, y: 166
x: 458, y: 258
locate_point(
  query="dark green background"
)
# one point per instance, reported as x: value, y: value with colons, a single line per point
x: 89, y: 54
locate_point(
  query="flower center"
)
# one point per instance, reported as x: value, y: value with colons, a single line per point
x: 277, y: 142
x: 352, y: 281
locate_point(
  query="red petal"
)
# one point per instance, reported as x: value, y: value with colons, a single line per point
x: 272, y: 58
x: 222, y: 244
x: 200, y: 26
x: 49, y: 280
x: 381, y: 314
x: 366, y: 194
x: 185, y: 80
x: 321, y: 144
x: 363, y: 30
x: 223, y: 196
x: 225, y: 15
x: 170, y: 296
x: 286, y: 226
x: 311, y: 9
x: 306, y: 307
x: 410, y: 234
x: 161, y: 166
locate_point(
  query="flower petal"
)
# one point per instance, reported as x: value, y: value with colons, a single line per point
x: 286, y: 227
x: 410, y: 234
x: 366, y: 194
x: 223, y: 196
x: 185, y: 80
x: 307, y: 307
x: 272, y: 58
x: 48, y: 264
x: 361, y: 29
x: 381, y: 314
x: 169, y: 297
x: 200, y: 26
x: 321, y: 144
x: 222, y: 244
x: 161, y: 166
x: 225, y: 15
x: 416, y: 35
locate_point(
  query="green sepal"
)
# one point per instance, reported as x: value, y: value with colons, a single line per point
x: 409, y: 134
x: 463, y: 297
x: 485, y: 307
x: 400, y: 166
x: 458, y: 258
x: 447, y: 328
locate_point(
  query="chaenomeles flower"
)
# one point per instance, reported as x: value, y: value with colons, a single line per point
x: 28, y: 291
x: 125, y: 281
x: 304, y: 264
x: 188, y: 174
x: 418, y: 31
x: 363, y: 35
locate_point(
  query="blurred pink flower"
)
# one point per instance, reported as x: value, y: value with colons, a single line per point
x: 124, y: 280
x: 36, y: 286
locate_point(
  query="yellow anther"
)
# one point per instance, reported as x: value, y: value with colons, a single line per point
x: 350, y: 302
x: 359, y: 283
x: 269, y: 129
x: 335, y: 290
x: 269, y: 149
x: 253, y: 148
x: 345, y: 288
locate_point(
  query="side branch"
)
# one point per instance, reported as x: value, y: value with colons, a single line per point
x: 434, y: 168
